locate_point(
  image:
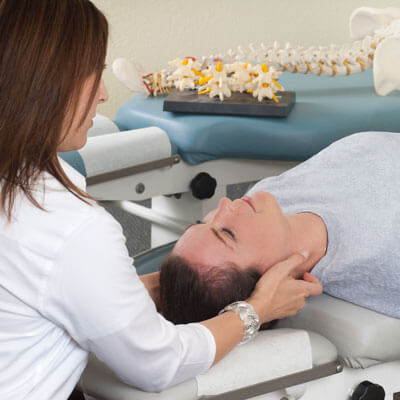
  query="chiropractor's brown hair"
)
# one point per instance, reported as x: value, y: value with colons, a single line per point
x: 48, y: 48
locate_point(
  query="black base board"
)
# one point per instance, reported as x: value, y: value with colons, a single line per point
x: 189, y: 101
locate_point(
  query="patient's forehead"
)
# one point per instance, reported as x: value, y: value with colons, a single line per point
x: 199, y: 245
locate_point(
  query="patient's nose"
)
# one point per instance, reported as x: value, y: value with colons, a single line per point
x: 224, y: 208
x: 225, y: 203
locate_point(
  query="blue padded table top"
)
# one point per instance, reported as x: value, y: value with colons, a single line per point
x: 326, y: 109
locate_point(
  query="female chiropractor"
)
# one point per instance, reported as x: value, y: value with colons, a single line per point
x: 67, y: 284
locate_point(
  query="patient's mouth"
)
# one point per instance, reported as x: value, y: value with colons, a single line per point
x: 249, y: 201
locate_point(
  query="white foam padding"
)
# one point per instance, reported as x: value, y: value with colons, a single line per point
x: 98, y: 381
x: 115, y: 151
x: 362, y: 337
x: 272, y: 354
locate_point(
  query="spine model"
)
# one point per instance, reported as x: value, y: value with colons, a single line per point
x: 216, y: 79
x: 255, y: 70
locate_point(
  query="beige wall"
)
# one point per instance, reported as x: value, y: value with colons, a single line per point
x: 154, y: 32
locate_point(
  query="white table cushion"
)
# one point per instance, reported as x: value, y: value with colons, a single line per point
x: 98, y: 381
x: 361, y: 336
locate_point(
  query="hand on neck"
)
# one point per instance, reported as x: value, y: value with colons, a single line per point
x: 309, y: 234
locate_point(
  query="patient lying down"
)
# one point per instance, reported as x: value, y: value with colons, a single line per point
x: 342, y: 206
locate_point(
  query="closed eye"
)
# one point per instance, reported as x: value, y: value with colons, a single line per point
x: 229, y: 232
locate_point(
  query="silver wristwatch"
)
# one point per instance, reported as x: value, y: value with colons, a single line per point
x: 248, y: 316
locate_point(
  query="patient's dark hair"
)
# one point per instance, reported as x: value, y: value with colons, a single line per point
x: 188, y: 295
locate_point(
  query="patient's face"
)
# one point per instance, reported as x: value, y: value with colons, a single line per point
x: 252, y: 233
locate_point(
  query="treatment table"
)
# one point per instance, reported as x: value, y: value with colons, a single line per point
x: 184, y: 163
x: 192, y: 158
x: 348, y: 345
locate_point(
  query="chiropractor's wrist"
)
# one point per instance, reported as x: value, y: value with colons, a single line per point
x: 261, y: 309
x: 250, y: 318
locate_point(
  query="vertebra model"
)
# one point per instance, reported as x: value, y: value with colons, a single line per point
x: 256, y: 69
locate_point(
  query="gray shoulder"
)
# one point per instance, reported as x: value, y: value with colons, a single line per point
x: 369, y: 138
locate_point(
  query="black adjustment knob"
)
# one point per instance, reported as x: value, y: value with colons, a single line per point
x: 367, y: 390
x: 203, y: 186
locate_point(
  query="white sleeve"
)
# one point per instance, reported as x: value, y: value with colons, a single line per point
x: 94, y: 293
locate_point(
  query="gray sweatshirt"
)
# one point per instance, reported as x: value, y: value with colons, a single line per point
x: 354, y: 186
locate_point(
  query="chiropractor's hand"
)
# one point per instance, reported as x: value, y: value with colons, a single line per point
x: 278, y: 294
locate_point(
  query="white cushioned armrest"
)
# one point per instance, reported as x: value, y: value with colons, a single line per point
x: 116, y: 151
x: 322, y: 350
x: 361, y: 336
x: 270, y: 355
x: 98, y: 381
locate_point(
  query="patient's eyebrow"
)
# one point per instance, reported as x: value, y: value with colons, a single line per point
x: 214, y: 231
x: 217, y: 234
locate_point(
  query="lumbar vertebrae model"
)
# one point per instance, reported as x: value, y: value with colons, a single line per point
x: 255, y: 70
x: 216, y: 79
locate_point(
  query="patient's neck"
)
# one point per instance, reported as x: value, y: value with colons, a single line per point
x: 309, y: 234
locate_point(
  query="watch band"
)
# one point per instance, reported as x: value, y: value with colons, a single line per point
x: 249, y: 317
